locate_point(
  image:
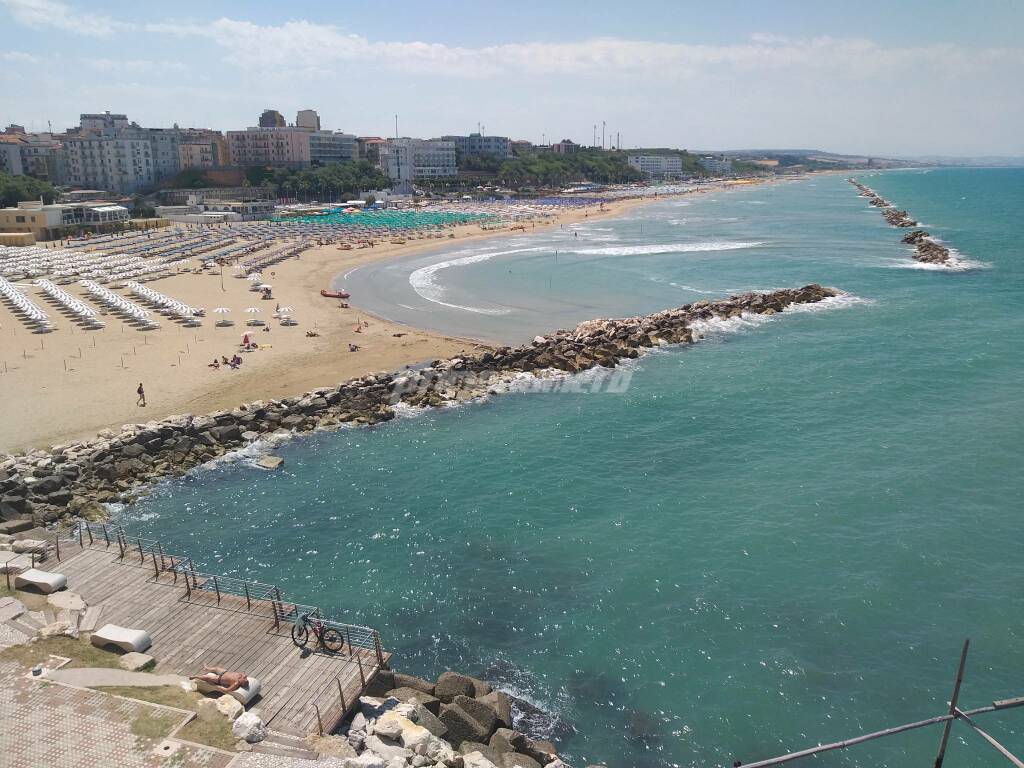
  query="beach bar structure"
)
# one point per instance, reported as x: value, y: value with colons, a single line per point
x: 197, y: 619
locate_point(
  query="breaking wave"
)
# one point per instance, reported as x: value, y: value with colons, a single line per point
x: 643, y: 250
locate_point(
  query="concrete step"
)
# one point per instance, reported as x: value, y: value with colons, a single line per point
x: 21, y: 628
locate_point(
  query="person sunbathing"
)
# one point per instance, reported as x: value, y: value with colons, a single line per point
x: 221, y: 680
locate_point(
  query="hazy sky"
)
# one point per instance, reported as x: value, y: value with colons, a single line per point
x: 894, y: 78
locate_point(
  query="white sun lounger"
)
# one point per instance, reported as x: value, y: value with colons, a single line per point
x: 128, y: 640
x: 244, y: 695
x: 44, y: 581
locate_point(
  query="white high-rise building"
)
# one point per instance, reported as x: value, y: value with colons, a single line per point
x: 657, y: 166
x: 405, y: 160
x: 715, y: 164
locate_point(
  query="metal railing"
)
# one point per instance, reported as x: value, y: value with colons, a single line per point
x: 261, y: 599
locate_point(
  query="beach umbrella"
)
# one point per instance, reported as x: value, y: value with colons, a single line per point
x: 286, y: 310
x: 263, y: 286
x: 220, y: 310
x: 255, y: 277
x: 253, y: 310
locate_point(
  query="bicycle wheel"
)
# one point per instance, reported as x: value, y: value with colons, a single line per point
x: 300, y: 634
x: 332, y: 639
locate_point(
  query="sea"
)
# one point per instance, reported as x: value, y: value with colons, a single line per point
x: 777, y: 537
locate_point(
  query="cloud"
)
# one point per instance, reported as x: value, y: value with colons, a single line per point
x: 52, y: 13
x: 18, y: 57
x: 303, y: 46
x: 134, y: 66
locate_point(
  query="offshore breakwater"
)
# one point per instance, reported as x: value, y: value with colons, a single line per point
x: 926, y: 249
x: 76, y: 479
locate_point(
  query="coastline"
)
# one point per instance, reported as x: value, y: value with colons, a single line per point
x: 88, y: 378
x: 76, y: 479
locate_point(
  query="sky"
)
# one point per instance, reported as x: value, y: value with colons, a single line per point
x: 909, y: 78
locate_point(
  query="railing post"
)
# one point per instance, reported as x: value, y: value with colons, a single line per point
x: 56, y: 544
x: 341, y: 695
x: 380, y: 651
x: 88, y: 529
x: 122, y: 544
x: 188, y: 587
x: 160, y: 549
x: 362, y: 677
x: 174, y: 569
x: 216, y: 588
x: 277, y: 608
x: 142, y: 555
x: 248, y: 602
x: 319, y: 722
x: 106, y: 535
x: 81, y: 543
x: 348, y: 635
x: 192, y: 568
x: 156, y: 567
x: 32, y: 555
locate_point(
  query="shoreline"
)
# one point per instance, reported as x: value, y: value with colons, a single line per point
x: 88, y: 378
x: 77, y: 479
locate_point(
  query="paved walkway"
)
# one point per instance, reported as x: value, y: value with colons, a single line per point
x: 96, y: 677
x: 43, y: 725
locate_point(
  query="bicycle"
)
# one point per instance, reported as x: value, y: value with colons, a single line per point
x: 328, y: 637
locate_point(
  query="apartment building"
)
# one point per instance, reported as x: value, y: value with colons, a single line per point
x: 405, y: 160
x: 477, y: 144
x: 715, y: 164
x: 286, y: 147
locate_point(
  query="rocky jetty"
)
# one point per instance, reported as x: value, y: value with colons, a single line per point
x: 926, y: 249
x: 76, y: 479
x: 455, y: 722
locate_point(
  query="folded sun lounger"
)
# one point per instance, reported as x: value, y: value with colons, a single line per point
x: 126, y: 639
x: 44, y: 581
x: 244, y: 695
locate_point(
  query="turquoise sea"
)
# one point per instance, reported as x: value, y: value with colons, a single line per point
x: 774, y: 538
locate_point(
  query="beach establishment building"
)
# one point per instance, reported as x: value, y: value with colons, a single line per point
x: 185, y: 196
x: 657, y: 166
x: 199, y: 208
x: 476, y: 144
x: 52, y: 222
x: 405, y: 160
x: 715, y: 164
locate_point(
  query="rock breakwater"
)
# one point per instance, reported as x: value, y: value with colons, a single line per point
x: 76, y: 479
x: 926, y: 250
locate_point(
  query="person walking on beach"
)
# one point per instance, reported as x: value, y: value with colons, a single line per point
x: 141, y: 402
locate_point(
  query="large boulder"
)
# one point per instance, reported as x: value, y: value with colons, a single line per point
x: 472, y: 746
x: 479, y: 711
x: 390, y: 726
x: 366, y: 760
x: 331, y: 746
x: 230, y: 707
x: 477, y: 760
x: 517, y: 760
x: 249, y: 727
x: 413, y: 695
x: 387, y: 748
x: 452, y: 684
x: 501, y: 705
x: 416, y: 683
x: 462, y: 726
x: 507, y: 740
x: 543, y: 752
x: 429, y: 720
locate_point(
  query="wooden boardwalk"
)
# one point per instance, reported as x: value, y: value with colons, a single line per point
x: 193, y: 628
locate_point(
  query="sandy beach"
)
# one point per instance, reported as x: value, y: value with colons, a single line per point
x: 72, y: 383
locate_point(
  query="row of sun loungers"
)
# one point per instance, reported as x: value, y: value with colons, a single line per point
x: 72, y: 304
x: 24, y: 307
x: 133, y: 312
x: 167, y: 305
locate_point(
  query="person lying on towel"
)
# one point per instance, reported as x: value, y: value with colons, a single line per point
x: 222, y: 680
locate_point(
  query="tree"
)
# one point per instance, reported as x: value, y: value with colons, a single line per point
x: 17, y: 189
